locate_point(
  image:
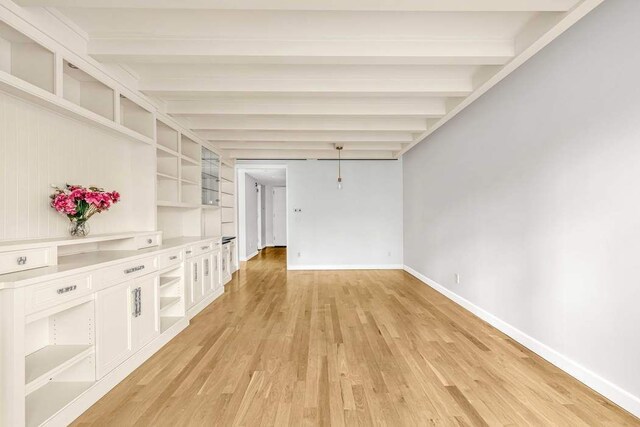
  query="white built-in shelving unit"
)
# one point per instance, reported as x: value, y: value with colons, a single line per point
x: 61, y: 342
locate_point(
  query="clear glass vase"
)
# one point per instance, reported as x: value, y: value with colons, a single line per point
x: 79, y: 228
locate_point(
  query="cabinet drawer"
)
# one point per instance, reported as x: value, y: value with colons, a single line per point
x: 199, y: 249
x: 168, y: 259
x: 147, y: 241
x: 202, y: 248
x: 44, y: 295
x: 124, y: 271
x: 24, y: 260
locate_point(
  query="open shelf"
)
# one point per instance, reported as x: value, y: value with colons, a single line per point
x: 25, y: 59
x: 166, y: 136
x: 167, y: 281
x: 86, y: 91
x: 45, y: 402
x: 168, y: 321
x: 190, y: 149
x: 136, y: 118
x: 190, y: 193
x: 166, y: 302
x: 168, y: 191
x: 49, y: 360
x: 165, y: 176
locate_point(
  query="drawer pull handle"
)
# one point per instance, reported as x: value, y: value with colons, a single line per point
x: 134, y: 269
x: 22, y: 260
x: 67, y: 289
x: 204, y: 248
x: 188, y: 252
x: 172, y: 257
x: 149, y: 241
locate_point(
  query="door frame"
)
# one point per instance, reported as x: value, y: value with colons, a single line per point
x: 243, y: 168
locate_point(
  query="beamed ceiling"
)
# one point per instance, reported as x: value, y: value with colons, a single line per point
x: 292, y: 78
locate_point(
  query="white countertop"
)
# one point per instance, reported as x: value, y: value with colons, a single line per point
x: 79, y: 263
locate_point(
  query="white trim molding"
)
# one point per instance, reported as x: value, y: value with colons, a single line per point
x: 606, y: 388
x: 249, y: 256
x: 347, y: 267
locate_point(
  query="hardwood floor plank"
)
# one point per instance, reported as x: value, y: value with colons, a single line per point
x: 345, y: 348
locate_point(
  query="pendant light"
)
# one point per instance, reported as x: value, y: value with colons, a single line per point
x: 339, y: 148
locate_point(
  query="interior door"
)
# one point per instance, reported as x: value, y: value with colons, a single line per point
x: 145, y: 325
x: 280, y: 216
x: 114, y: 311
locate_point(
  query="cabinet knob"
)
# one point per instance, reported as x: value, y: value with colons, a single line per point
x: 22, y: 260
x: 149, y: 241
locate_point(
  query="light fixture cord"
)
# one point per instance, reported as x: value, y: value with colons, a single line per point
x: 339, y: 158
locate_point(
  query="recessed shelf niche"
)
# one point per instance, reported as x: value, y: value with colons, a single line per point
x: 167, y: 136
x: 86, y: 91
x: 190, y: 149
x: 135, y: 117
x: 25, y: 59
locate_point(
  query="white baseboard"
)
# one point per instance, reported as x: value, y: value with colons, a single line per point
x: 606, y: 388
x: 204, y: 303
x: 249, y: 257
x: 347, y: 267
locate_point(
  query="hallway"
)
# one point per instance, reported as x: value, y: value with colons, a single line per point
x: 344, y: 348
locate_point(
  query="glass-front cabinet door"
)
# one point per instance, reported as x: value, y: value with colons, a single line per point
x: 210, y: 178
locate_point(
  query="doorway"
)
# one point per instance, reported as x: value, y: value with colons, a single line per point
x: 262, y: 209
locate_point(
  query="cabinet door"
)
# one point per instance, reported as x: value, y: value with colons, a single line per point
x: 113, y: 327
x: 198, y: 284
x: 207, y: 274
x: 189, y: 277
x: 215, y: 265
x: 145, y: 325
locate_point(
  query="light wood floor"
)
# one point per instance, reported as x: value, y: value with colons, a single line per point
x: 345, y: 348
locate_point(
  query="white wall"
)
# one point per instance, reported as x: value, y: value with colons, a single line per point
x: 532, y: 196
x: 359, y: 226
x: 39, y: 148
x: 250, y: 219
x: 268, y: 208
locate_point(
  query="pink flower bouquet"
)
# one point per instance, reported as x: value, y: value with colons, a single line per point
x: 79, y: 204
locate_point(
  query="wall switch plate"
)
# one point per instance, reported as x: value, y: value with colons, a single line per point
x: 457, y: 279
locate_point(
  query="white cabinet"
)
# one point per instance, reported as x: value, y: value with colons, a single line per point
x: 145, y: 321
x: 126, y: 320
x: 207, y: 274
x: 226, y: 268
x: 194, y: 281
x: 215, y: 265
x: 113, y: 327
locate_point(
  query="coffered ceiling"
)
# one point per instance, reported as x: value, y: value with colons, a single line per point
x: 291, y: 78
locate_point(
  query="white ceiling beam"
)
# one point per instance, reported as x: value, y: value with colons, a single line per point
x: 363, y: 106
x: 524, y: 54
x: 344, y: 5
x: 197, y: 50
x: 307, y: 154
x: 238, y: 145
x: 308, y: 123
x: 440, y: 88
x: 302, y: 136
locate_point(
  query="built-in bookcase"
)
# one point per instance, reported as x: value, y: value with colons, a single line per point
x: 172, y: 297
x: 59, y: 359
x: 184, y: 176
x: 86, y: 91
x: 25, y: 59
x: 136, y: 118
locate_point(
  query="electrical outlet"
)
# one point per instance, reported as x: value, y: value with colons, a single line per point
x: 457, y: 279
x: 298, y: 254
x: 388, y: 253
